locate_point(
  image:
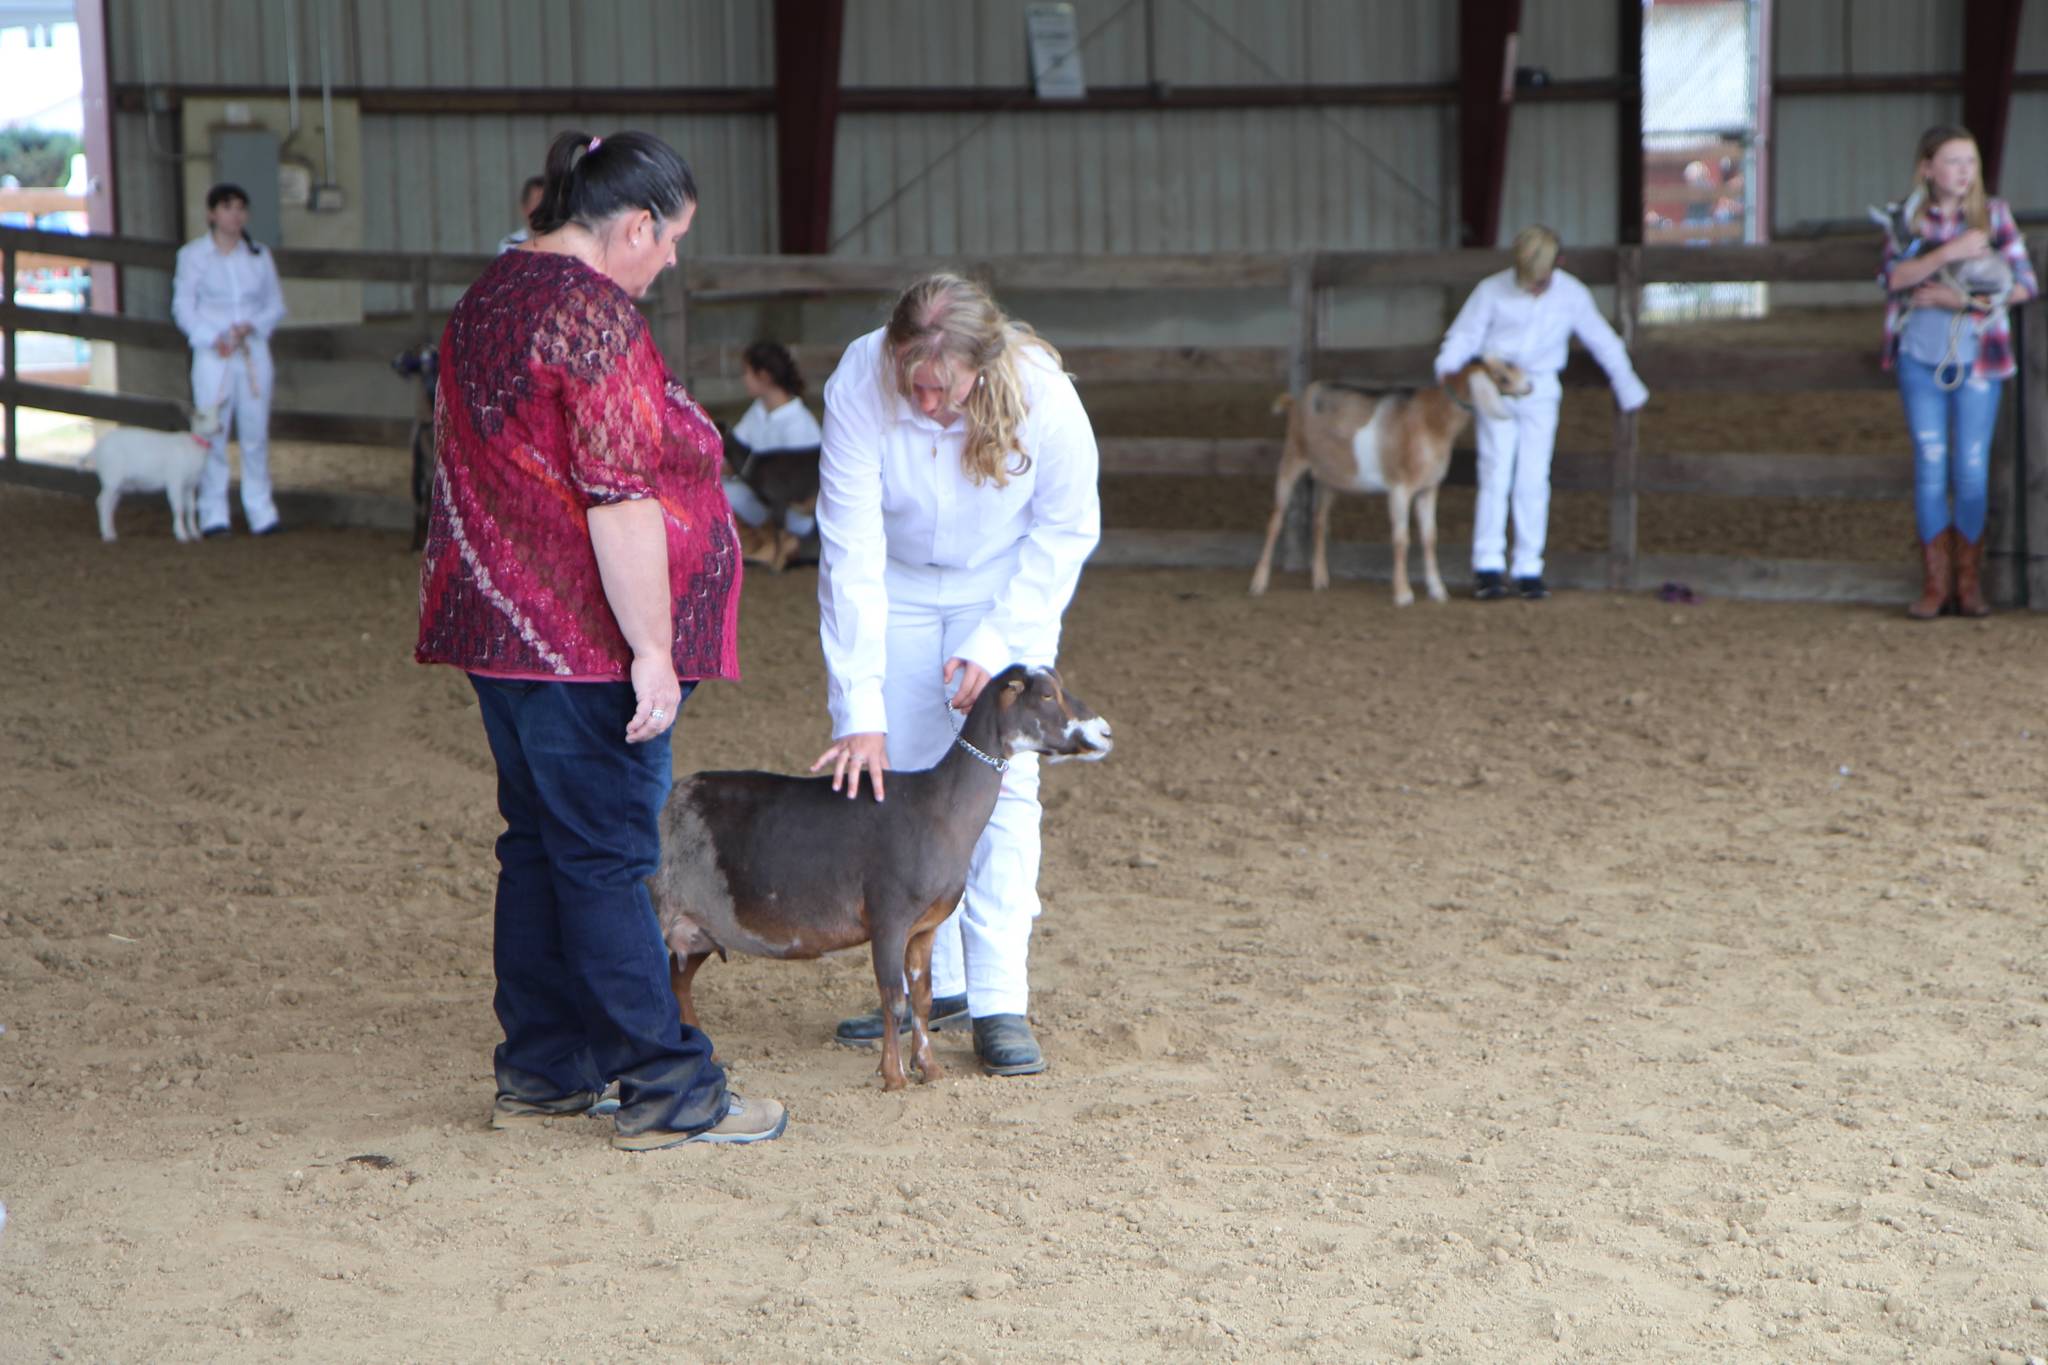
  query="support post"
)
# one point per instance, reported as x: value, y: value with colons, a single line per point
x: 673, y: 320
x: 2031, y: 413
x: 807, y: 42
x: 1621, y: 517
x: 1628, y: 107
x: 1302, y: 303
x: 1487, y: 31
x: 7, y: 440
x: 1991, y: 38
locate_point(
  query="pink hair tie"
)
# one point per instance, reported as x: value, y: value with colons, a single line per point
x: 594, y: 142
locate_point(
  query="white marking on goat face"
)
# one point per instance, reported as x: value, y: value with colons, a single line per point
x: 1365, y: 449
x: 1087, y: 740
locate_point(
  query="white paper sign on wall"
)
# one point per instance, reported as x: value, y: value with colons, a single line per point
x: 1055, y: 43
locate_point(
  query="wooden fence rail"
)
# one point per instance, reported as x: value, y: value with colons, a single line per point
x: 1308, y: 281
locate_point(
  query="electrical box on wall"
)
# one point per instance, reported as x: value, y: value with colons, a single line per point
x: 248, y: 156
x: 304, y: 181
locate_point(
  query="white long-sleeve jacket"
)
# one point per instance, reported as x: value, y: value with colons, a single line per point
x: 892, y: 487
x: 1534, y: 331
x: 213, y: 290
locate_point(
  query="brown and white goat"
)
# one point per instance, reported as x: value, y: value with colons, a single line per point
x: 781, y: 866
x: 1397, y: 443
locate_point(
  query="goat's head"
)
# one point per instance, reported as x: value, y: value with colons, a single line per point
x: 206, y: 422
x: 1897, y: 221
x: 1036, y: 714
x: 1488, y: 380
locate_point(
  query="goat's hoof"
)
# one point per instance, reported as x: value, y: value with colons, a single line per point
x: 1319, y: 584
x: 1404, y: 599
x: 1258, y: 587
x: 1437, y: 593
x: 892, y: 1083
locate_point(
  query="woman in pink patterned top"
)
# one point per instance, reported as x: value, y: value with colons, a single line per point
x: 581, y: 567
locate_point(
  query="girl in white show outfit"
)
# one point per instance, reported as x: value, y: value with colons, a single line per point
x: 1527, y: 316
x: 225, y: 298
x: 777, y: 422
x: 957, y: 504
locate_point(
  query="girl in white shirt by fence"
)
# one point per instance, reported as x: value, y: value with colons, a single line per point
x: 957, y: 504
x: 1527, y: 316
x: 777, y: 423
x: 226, y: 299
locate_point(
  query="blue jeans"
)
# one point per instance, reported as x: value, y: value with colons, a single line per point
x: 583, y: 985
x: 1951, y: 447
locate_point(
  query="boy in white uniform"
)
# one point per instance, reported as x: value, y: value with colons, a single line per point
x: 1527, y: 317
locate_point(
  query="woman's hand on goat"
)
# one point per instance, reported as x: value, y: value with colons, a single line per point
x: 850, y: 755
x: 1934, y: 295
x: 657, y: 696
x: 973, y: 677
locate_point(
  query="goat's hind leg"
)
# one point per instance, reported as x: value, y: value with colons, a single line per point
x: 1291, y: 470
x: 1319, y: 567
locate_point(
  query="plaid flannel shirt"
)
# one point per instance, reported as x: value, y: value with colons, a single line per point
x: 1994, y: 343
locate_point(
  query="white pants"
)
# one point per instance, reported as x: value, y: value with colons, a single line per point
x: 240, y: 385
x: 983, y: 946
x: 1514, y: 465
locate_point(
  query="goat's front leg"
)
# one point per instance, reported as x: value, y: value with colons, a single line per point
x: 889, y: 948
x: 1398, y: 499
x: 1319, y: 570
x: 917, y: 966
x: 1425, y: 524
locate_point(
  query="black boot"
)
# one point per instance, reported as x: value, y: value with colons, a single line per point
x: 865, y: 1030
x: 1006, y: 1047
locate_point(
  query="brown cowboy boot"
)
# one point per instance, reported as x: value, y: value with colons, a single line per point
x: 1970, y: 576
x: 1937, y: 565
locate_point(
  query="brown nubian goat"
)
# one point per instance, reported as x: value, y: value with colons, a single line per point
x: 781, y: 866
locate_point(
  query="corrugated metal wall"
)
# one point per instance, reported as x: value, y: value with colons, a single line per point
x: 1837, y: 153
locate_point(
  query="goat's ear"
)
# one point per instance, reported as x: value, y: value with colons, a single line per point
x: 1014, y: 688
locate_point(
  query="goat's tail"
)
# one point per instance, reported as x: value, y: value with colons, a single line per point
x: 1281, y: 404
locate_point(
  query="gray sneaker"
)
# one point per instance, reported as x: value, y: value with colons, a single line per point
x: 755, y: 1120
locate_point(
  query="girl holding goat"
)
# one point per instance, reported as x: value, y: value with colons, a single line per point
x: 1953, y: 261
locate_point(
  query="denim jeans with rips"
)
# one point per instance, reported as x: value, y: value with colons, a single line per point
x: 1951, y: 431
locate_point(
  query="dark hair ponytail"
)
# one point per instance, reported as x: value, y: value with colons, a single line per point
x: 773, y: 359
x: 590, y: 180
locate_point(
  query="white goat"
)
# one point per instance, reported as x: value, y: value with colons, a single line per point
x: 138, y: 460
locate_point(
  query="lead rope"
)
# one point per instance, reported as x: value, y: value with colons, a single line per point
x: 1955, y: 336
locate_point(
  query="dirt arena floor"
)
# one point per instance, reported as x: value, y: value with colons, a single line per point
x: 1596, y: 981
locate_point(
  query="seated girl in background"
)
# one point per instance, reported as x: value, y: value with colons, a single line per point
x: 777, y: 428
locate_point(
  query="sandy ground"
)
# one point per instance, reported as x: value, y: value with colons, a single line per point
x: 1591, y: 981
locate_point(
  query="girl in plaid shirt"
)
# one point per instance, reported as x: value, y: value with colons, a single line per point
x: 1952, y: 354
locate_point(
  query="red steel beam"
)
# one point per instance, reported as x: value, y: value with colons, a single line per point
x: 1487, y: 31
x: 1991, y: 37
x: 807, y: 41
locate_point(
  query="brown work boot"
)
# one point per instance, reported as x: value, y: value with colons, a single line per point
x: 1939, y: 581
x: 1969, y: 576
